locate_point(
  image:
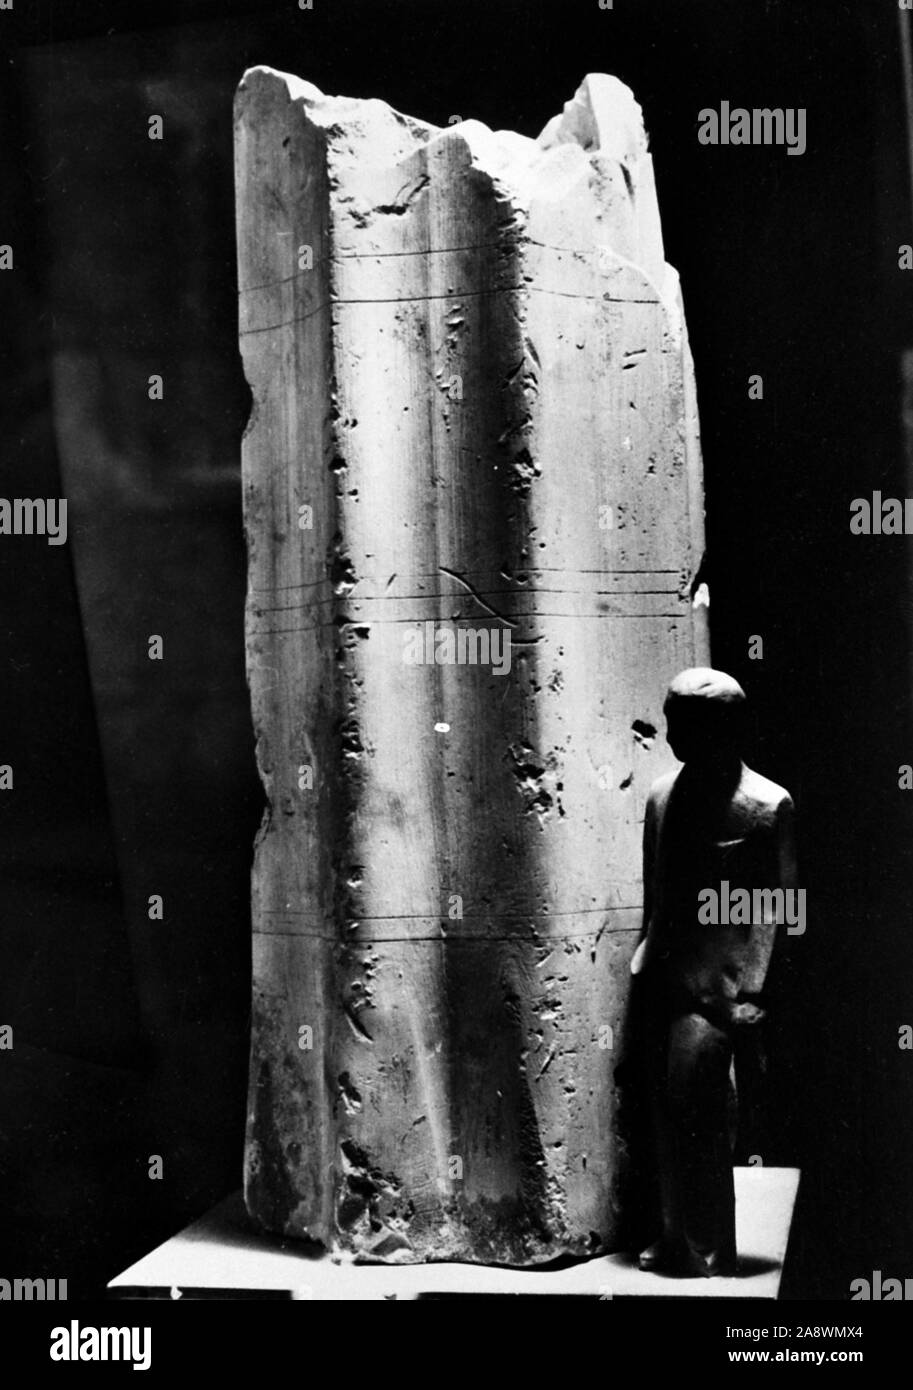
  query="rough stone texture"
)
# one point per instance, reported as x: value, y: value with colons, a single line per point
x: 483, y: 390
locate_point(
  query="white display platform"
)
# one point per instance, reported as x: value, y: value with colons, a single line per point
x: 223, y: 1256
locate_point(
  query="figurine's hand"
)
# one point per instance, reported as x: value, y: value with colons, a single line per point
x: 747, y: 1015
x: 637, y: 960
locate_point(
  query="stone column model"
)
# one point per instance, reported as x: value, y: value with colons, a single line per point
x: 474, y: 513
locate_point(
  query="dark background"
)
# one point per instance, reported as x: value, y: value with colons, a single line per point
x: 135, y: 777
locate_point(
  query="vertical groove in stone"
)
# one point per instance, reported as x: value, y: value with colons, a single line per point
x: 487, y: 351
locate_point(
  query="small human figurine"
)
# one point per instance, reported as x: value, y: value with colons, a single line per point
x: 713, y: 824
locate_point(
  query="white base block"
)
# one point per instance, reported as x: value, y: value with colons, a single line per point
x: 222, y: 1256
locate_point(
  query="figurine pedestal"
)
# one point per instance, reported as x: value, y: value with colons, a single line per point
x: 223, y: 1256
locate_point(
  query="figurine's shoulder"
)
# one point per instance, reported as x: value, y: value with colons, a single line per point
x: 658, y: 795
x: 762, y: 793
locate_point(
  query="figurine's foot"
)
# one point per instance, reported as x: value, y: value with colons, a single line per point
x: 716, y: 1265
x: 676, y: 1258
x: 664, y: 1256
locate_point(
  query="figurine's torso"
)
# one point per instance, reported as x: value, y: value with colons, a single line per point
x: 709, y: 842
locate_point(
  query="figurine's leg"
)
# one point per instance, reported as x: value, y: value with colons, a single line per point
x: 663, y: 1135
x: 751, y: 1088
x: 700, y: 1054
x: 667, y: 1253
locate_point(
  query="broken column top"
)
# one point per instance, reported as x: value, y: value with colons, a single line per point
x: 597, y: 142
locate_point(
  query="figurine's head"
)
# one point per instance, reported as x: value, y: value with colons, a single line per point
x: 704, y: 712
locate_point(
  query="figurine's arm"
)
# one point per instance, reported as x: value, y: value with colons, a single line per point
x: 764, y: 935
x: 649, y: 856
